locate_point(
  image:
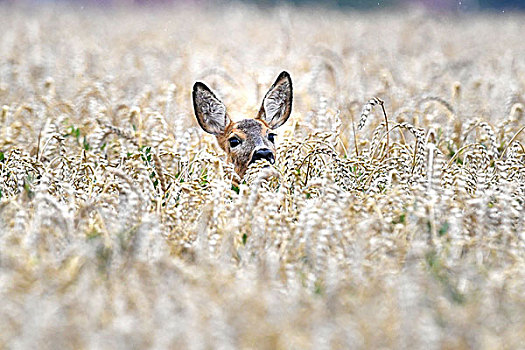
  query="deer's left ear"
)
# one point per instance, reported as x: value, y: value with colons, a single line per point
x: 277, y: 103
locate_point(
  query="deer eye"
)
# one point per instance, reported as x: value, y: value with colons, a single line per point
x: 271, y: 137
x: 234, y: 142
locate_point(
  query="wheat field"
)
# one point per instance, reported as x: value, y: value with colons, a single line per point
x: 120, y: 226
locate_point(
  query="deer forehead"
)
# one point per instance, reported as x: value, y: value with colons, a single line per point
x: 249, y: 128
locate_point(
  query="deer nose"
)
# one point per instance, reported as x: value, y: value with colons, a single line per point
x: 263, y: 153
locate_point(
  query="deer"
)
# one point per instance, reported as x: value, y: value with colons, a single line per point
x: 251, y: 139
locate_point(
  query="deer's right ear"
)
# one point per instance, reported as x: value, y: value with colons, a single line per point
x: 209, y: 110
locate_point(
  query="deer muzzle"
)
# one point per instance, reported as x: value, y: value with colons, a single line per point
x: 263, y: 153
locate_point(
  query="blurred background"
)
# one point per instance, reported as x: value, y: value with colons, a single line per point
x: 438, y: 5
x: 443, y: 5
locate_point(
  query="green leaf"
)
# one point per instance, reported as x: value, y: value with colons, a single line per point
x: 443, y: 229
x: 401, y: 219
x: 27, y: 186
x: 318, y: 289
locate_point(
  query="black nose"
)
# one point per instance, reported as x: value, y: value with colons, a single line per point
x: 263, y: 153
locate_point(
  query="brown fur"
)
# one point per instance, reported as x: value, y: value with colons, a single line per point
x: 253, y: 134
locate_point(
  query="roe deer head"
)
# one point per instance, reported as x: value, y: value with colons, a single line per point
x: 249, y: 139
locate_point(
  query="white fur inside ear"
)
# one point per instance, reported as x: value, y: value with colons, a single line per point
x: 210, y: 111
x: 275, y: 103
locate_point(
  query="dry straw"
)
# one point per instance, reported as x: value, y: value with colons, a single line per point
x: 121, y: 224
